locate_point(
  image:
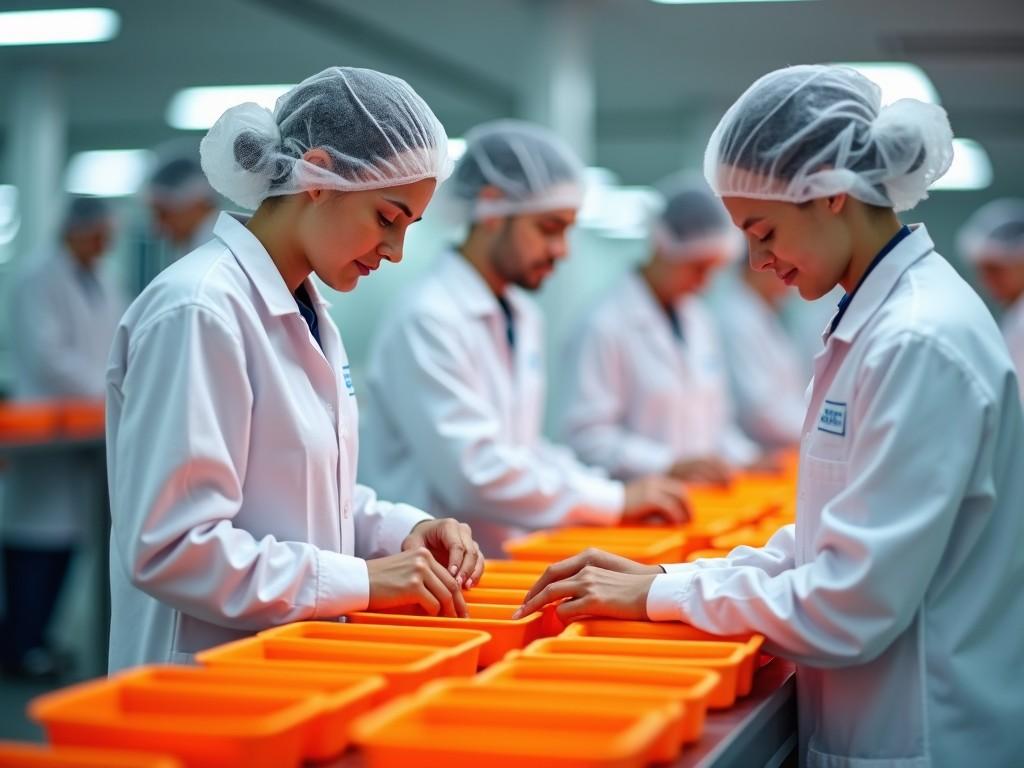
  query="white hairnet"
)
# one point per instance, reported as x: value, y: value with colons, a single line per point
x: 532, y: 168
x: 807, y: 132
x: 375, y: 129
x: 693, y: 222
x: 179, y: 181
x: 995, y: 232
x: 85, y: 213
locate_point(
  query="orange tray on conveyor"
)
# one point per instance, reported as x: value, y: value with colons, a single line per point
x: 14, y: 755
x: 673, y: 630
x: 645, y: 545
x: 29, y: 421
x: 499, y: 580
x: 406, y: 656
x: 203, y: 727
x: 343, y: 695
x: 532, y: 567
x: 690, y: 687
x: 82, y: 418
x: 505, y: 633
x: 724, y: 658
x: 495, y: 596
x: 462, y: 724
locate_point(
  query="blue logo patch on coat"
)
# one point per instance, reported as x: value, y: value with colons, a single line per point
x: 833, y: 418
x: 346, y: 371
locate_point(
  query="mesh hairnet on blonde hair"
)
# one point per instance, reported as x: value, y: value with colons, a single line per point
x: 812, y: 131
x: 693, y: 222
x: 531, y: 167
x: 375, y: 129
x: 995, y: 232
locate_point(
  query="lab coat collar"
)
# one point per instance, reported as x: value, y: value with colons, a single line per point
x: 257, y: 264
x: 470, y: 290
x: 879, y: 284
x: 644, y: 308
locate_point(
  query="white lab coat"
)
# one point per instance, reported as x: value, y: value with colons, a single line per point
x: 898, y: 592
x: 765, y: 370
x: 453, y: 418
x: 232, y: 443
x: 1013, y: 332
x: 637, y: 399
x: 62, y: 320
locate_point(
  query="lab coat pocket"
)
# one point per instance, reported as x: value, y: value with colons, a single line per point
x: 821, y: 480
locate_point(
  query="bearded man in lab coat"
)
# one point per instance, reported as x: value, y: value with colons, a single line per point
x: 456, y: 380
x: 63, y: 316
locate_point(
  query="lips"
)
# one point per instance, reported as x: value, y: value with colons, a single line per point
x: 364, y: 270
x: 788, y: 277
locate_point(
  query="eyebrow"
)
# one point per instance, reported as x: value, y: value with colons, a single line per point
x: 404, y: 208
x: 750, y: 222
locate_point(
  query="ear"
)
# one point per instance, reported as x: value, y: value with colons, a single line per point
x: 491, y: 223
x: 318, y: 157
x: 836, y: 203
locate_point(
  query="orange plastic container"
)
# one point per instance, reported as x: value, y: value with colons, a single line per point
x: 82, y: 418
x: 505, y: 633
x: 406, y: 656
x: 690, y: 687
x: 506, y: 580
x: 674, y: 630
x: 532, y: 567
x: 461, y: 723
x: 494, y: 596
x: 202, y: 727
x: 645, y: 545
x: 343, y: 696
x: 29, y: 421
x: 14, y: 755
x: 724, y: 658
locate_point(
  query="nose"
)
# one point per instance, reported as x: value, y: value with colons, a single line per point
x: 760, y: 257
x: 392, y: 248
x: 558, y: 247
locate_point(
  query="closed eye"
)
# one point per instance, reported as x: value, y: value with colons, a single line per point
x: 383, y: 221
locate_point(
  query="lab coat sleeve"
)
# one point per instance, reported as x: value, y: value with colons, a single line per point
x: 594, y: 411
x: 919, y: 421
x: 773, y: 558
x: 457, y: 438
x: 45, y: 343
x: 177, y: 472
x: 382, y: 526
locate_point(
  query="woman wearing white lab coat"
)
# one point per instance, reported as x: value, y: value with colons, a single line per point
x: 648, y: 388
x: 766, y: 373
x: 456, y: 378
x: 993, y: 241
x: 63, y: 313
x: 898, y: 592
x: 232, y: 421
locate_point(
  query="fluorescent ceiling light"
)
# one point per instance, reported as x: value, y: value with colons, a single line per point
x: 108, y: 172
x: 10, y: 219
x: 898, y: 80
x: 73, y: 25
x: 196, y: 109
x: 718, y: 2
x: 971, y: 168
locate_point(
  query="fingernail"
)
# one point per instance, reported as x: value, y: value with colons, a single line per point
x: 516, y: 614
x: 458, y: 580
x: 453, y: 569
x: 469, y: 583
